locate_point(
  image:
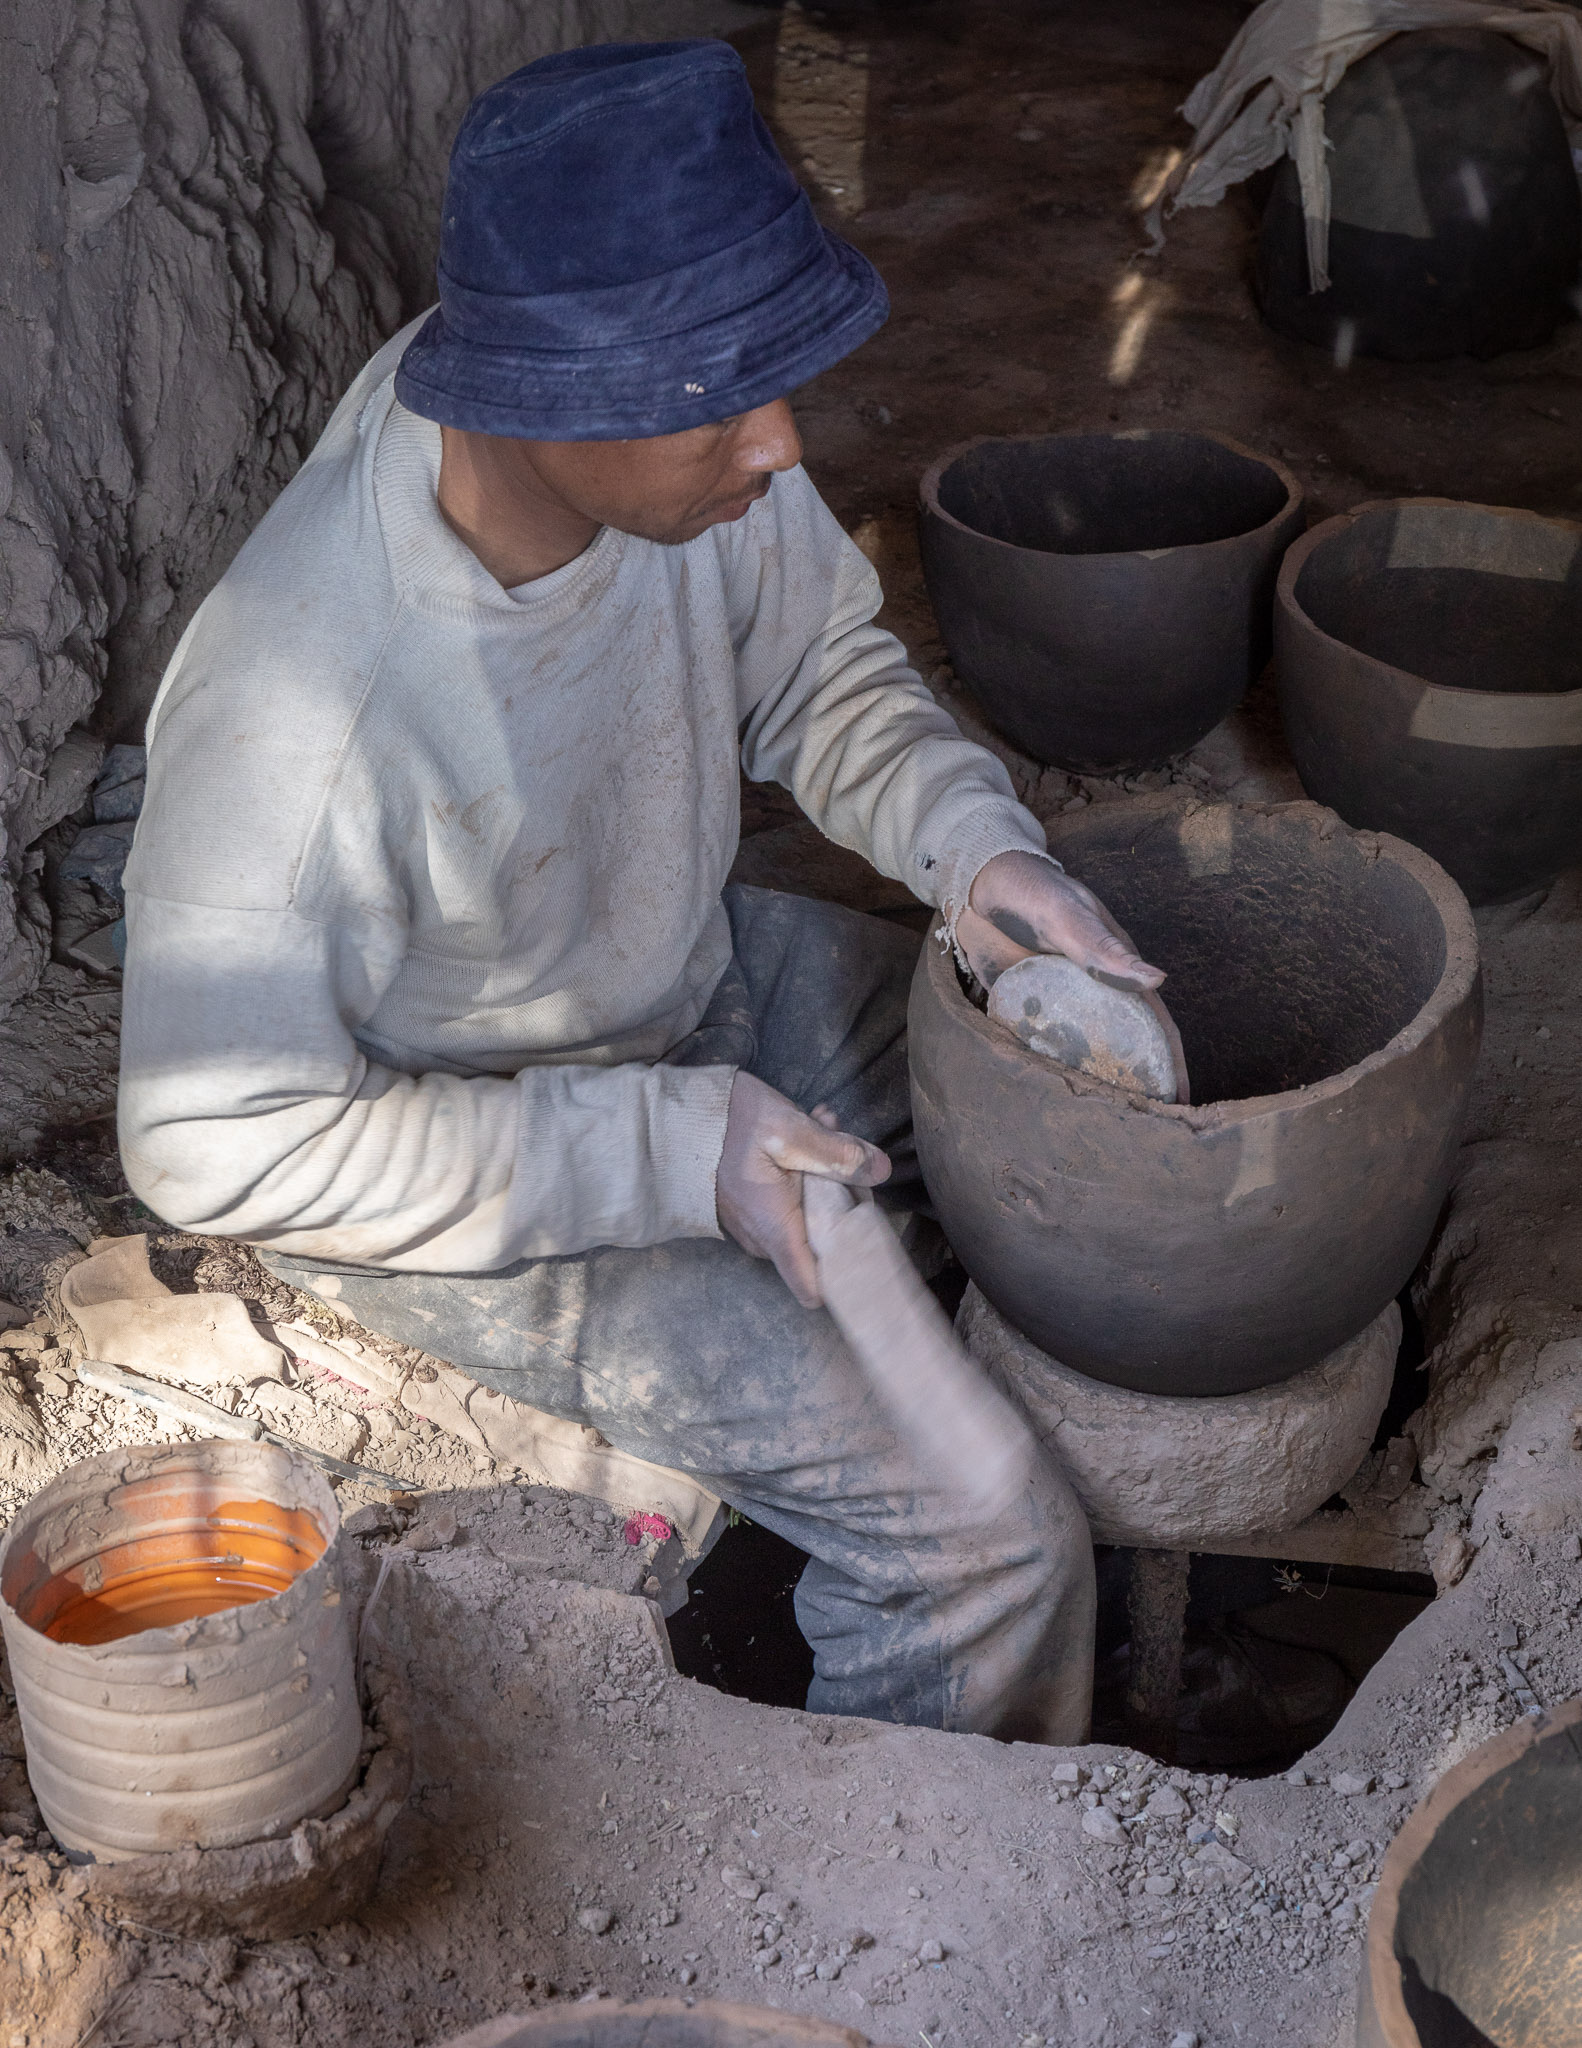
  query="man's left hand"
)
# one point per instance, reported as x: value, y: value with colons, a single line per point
x: 1020, y: 904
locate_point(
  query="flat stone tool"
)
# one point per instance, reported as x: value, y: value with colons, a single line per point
x: 1116, y: 1034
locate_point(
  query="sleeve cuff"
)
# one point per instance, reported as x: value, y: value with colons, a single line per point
x: 688, y: 1137
x: 993, y: 828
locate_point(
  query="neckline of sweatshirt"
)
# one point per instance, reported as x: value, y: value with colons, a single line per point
x: 432, y: 566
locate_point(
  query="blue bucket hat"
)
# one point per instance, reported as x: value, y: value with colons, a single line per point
x: 624, y: 252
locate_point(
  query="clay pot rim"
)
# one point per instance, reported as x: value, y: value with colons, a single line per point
x: 1306, y: 545
x: 180, y: 1638
x: 1418, y: 1832
x: 1456, y: 979
x: 928, y: 491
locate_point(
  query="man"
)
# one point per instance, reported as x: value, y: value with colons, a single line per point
x: 431, y: 991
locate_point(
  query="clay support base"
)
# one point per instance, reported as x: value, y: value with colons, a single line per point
x: 1157, y: 1472
x: 1157, y: 1605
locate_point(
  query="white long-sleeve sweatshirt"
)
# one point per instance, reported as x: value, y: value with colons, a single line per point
x: 428, y: 875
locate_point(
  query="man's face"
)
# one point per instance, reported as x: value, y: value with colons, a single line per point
x: 669, y: 488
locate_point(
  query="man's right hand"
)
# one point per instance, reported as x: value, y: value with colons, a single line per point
x: 769, y: 1145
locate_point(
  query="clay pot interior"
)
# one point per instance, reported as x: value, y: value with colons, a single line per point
x: 1430, y: 683
x: 1487, y: 1900
x: 1104, y: 494
x: 1281, y: 972
x: 1453, y: 598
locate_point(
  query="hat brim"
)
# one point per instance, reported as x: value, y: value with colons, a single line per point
x: 725, y: 366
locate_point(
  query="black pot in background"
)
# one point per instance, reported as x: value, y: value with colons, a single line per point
x: 1455, y: 220
x: 1106, y: 596
x: 1430, y: 682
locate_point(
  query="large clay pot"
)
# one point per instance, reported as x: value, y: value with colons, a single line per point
x: 1106, y: 597
x: 1430, y: 664
x: 1455, y: 224
x: 1473, y: 1934
x: 1327, y: 989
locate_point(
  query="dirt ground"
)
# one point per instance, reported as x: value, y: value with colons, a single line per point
x: 584, y: 1821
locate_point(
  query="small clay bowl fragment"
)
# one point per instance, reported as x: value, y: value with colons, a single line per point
x: 1106, y: 597
x: 1430, y: 681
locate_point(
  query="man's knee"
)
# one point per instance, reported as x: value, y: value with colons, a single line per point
x: 1039, y: 1559
x: 1060, y: 1525
x: 1047, y: 1689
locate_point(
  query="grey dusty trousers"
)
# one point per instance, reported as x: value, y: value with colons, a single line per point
x: 692, y: 1354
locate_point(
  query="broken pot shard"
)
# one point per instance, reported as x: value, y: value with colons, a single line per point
x: 1326, y: 986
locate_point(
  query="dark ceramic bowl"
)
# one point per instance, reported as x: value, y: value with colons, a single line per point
x: 1430, y: 665
x: 1475, y: 1937
x: 1106, y: 597
x: 1326, y: 985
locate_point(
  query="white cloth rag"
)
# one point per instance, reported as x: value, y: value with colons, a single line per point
x: 1265, y: 98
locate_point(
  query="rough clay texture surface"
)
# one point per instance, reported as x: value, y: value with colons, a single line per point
x: 989, y: 158
x: 1186, y: 1475
x: 214, y: 213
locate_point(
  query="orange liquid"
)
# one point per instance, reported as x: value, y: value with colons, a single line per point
x: 239, y: 1553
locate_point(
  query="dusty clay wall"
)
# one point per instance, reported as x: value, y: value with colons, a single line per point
x: 214, y: 211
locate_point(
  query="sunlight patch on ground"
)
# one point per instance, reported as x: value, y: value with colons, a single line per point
x: 821, y: 107
x: 1138, y: 302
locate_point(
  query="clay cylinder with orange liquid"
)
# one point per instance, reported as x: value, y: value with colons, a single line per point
x: 180, y: 1648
